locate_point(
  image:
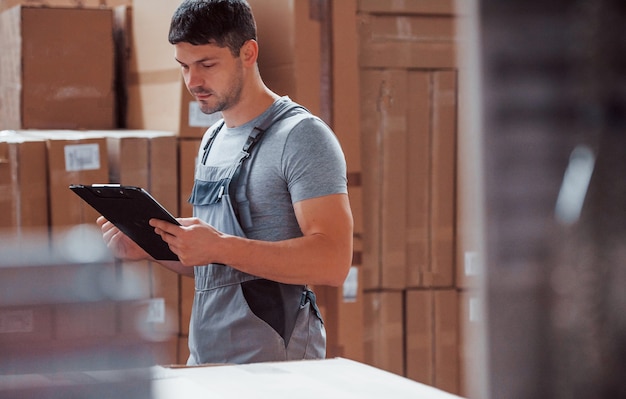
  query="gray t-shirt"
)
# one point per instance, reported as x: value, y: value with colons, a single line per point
x: 290, y: 165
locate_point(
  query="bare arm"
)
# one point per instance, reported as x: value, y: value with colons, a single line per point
x: 322, y: 256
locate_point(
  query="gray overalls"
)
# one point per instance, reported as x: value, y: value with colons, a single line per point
x: 238, y: 317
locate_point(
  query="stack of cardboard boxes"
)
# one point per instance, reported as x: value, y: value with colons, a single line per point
x: 59, y: 127
x: 408, y: 104
x: 383, y: 76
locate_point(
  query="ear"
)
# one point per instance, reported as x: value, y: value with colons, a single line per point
x: 249, y: 52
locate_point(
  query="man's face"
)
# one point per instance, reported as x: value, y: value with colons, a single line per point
x: 212, y: 75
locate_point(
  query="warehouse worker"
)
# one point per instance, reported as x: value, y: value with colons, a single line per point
x: 271, y: 211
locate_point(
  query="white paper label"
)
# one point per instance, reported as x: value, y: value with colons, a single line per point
x: 197, y: 118
x: 16, y: 321
x: 82, y: 157
x: 472, y: 263
x: 351, y: 285
x: 474, y: 310
x: 156, y: 311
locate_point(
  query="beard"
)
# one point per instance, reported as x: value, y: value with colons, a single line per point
x: 222, y: 101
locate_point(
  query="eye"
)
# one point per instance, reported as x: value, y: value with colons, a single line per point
x: 206, y: 66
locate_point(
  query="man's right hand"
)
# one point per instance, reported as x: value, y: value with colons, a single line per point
x: 118, y: 243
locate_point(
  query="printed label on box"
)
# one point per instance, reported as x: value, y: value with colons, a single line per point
x: 16, y: 321
x: 197, y: 118
x: 82, y: 157
x: 156, y: 310
x: 351, y: 285
x: 475, y: 310
x: 472, y: 263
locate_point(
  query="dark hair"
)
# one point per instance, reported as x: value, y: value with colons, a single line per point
x: 225, y: 23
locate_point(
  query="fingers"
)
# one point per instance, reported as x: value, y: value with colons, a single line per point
x: 164, y: 228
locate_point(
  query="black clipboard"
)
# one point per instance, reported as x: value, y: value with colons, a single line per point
x: 130, y: 208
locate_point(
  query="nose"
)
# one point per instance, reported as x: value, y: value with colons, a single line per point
x: 193, y: 78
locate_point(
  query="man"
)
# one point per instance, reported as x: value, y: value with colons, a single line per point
x: 271, y: 211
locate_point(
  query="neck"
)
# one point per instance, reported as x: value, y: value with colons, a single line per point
x: 254, y: 101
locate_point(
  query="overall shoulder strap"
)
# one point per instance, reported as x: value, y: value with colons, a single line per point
x: 275, y: 115
x: 238, y: 185
x: 209, y: 143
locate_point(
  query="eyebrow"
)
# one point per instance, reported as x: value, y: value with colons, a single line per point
x: 205, y: 59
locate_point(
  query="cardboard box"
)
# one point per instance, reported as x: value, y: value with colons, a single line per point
x: 429, y: 7
x: 342, y: 310
x: 72, y: 158
x: 432, y: 338
x: 149, y: 159
x: 407, y: 41
x: 420, y: 336
x: 155, y: 94
x: 6, y: 4
x: 23, y: 184
x: 409, y: 130
x: 446, y: 340
x: 290, y: 50
x: 20, y: 324
x: 440, y: 272
x: 384, y: 330
x: 183, y: 349
x: 144, y: 158
x: 419, y: 176
x: 57, y: 69
x: 187, y: 165
x: 384, y: 138
x: 408, y: 133
x: 187, y: 292
x: 85, y: 320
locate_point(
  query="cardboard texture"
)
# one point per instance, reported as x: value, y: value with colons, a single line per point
x: 58, y: 68
x: 156, y: 96
x: 443, y: 174
x: 446, y: 340
x: 346, y: 118
x: 383, y: 110
x: 409, y: 134
x: 187, y: 164
x: 149, y: 159
x: 146, y: 64
x: 187, y: 161
x: 420, y: 336
x: 187, y: 292
x: 289, y: 50
x: 419, y: 176
x: 343, y: 315
x: 430, y: 7
x: 72, y: 158
x: 5, y: 4
x: 432, y: 336
x: 144, y: 158
x: 411, y: 41
x: 384, y: 330
x: 183, y: 349
x: 23, y: 184
x: 26, y: 323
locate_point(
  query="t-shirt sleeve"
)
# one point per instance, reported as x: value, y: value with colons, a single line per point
x: 313, y: 161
